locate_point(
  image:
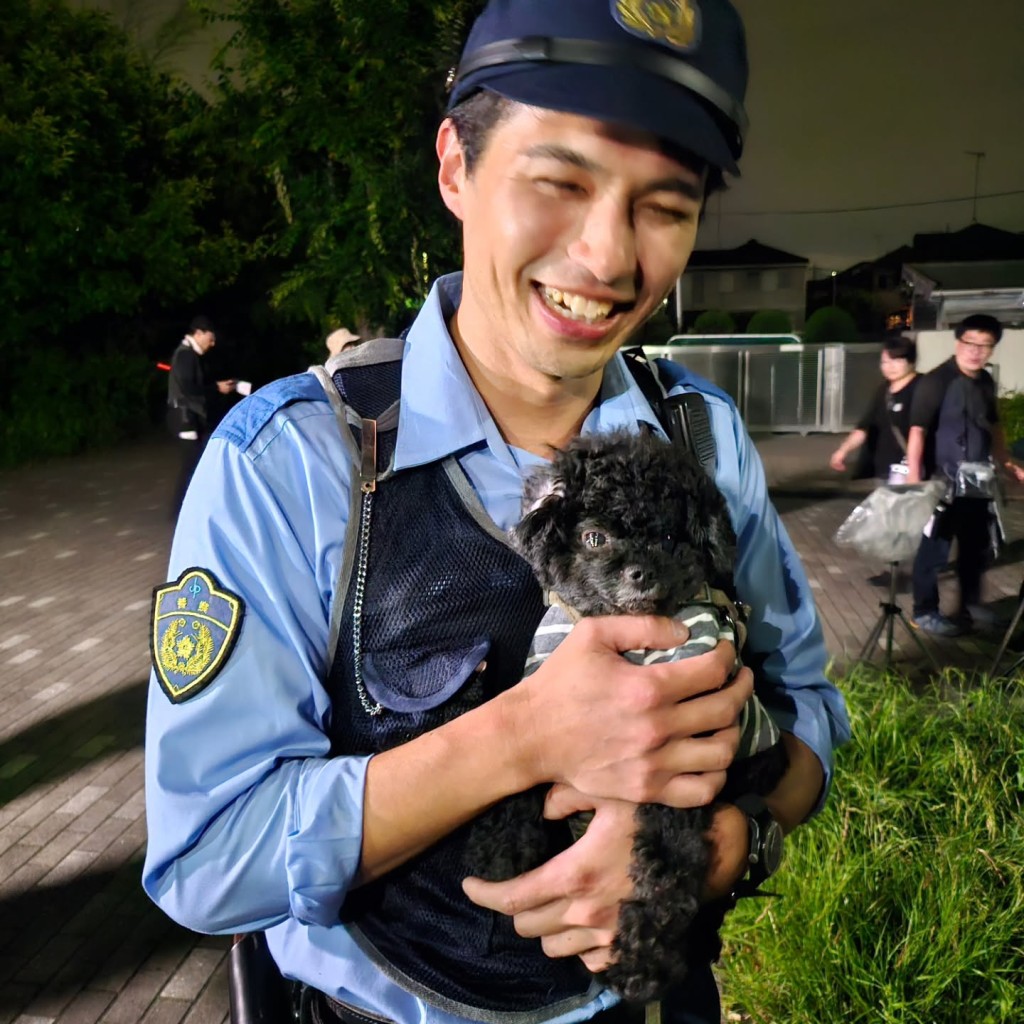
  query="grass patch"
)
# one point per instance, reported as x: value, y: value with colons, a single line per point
x: 903, y: 902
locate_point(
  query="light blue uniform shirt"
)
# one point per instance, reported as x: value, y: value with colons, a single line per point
x: 252, y: 825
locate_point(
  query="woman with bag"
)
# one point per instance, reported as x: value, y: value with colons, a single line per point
x: 882, y: 431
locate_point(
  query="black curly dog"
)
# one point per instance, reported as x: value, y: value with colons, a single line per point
x: 627, y: 524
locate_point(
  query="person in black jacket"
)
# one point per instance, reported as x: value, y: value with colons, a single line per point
x: 189, y: 400
x: 955, y: 423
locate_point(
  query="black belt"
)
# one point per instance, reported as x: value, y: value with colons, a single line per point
x: 326, y: 1010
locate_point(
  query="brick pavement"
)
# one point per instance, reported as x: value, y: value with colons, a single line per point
x: 82, y: 543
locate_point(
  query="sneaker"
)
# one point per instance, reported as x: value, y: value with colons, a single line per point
x: 936, y: 624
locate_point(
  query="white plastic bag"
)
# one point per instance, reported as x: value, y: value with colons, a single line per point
x: 887, y: 524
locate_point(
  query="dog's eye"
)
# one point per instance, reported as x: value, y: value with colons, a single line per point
x: 594, y: 539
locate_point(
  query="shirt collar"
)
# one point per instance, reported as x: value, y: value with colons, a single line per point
x: 192, y: 344
x: 441, y: 412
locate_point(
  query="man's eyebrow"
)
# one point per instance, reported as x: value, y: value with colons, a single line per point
x: 553, y: 151
x: 691, y: 189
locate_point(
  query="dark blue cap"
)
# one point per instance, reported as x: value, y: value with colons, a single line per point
x: 675, y: 68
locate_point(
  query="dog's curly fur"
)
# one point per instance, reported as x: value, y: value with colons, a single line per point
x: 663, y: 531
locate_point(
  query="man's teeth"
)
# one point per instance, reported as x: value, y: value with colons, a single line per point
x: 577, y: 306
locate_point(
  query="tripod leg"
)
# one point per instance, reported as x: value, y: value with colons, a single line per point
x: 867, y: 650
x: 1006, y: 636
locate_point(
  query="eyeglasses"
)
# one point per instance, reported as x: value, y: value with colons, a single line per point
x: 974, y: 344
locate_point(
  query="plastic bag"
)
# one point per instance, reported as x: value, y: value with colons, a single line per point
x: 887, y: 524
x: 976, y: 480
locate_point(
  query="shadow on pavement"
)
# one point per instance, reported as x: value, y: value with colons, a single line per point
x: 54, y: 747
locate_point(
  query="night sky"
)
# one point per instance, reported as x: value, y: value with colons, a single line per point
x: 855, y: 103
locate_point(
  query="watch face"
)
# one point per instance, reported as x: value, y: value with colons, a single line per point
x: 772, y: 847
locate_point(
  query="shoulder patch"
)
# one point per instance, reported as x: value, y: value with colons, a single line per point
x: 195, y: 624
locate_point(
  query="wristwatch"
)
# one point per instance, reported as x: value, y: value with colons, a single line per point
x: 765, y: 844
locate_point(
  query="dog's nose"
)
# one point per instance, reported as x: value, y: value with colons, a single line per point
x: 635, y: 574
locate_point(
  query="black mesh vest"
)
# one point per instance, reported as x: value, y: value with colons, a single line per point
x: 443, y: 593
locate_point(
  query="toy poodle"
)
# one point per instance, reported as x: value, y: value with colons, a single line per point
x: 629, y: 524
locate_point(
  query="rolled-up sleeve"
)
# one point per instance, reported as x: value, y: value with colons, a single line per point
x: 250, y: 819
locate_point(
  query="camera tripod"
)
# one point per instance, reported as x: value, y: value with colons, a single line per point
x: 891, y: 612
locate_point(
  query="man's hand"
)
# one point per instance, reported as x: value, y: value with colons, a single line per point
x: 225, y: 387
x: 837, y: 460
x: 662, y: 733
x: 571, y: 903
x: 1014, y: 470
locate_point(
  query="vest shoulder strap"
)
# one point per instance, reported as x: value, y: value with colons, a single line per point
x: 684, y: 417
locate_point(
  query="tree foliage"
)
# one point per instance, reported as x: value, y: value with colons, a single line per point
x: 107, y: 181
x: 831, y: 326
x: 339, y: 101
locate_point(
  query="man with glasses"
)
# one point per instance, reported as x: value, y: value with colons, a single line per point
x: 955, y: 431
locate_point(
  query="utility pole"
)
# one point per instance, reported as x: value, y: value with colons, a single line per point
x: 978, y: 157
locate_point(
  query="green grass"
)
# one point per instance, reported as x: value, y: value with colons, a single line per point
x: 904, y: 900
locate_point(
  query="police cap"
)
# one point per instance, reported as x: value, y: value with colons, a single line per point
x: 675, y: 68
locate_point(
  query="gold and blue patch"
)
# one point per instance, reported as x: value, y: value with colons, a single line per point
x: 195, y: 625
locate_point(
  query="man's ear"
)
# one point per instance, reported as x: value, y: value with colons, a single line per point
x: 451, y: 169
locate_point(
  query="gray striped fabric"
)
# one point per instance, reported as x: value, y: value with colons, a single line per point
x: 759, y: 731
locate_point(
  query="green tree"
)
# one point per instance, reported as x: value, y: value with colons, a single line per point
x: 107, y: 177
x: 119, y: 201
x: 770, y: 321
x: 714, y: 321
x: 830, y: 325
x: 339, y: 101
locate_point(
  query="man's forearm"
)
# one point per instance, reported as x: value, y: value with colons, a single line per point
x: 915, y: 455
x: 799, y: 790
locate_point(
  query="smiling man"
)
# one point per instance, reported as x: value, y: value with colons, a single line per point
x: 355, y: 696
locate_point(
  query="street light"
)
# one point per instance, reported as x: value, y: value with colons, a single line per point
x: 834, y: 272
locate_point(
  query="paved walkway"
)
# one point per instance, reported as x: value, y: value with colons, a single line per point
x: 82, y: 543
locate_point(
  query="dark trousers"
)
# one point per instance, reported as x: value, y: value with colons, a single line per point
x: 189, y: 453
x: 966, y: 520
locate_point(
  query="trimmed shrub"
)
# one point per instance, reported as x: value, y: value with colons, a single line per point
x: 1011, y: 415
x: 830, y: 326
x: 62, y: 404
x: 714, y: 321
x: 770, y: 321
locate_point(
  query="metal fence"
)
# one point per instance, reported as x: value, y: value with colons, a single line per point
x: 785, y: 385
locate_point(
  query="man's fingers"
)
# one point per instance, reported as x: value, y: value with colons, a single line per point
x: 563, y: 800
x: 535, y: 888
x: 632, y: 632
x: 581, y: 942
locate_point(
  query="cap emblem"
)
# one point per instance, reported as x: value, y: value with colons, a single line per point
x: 675, y: 22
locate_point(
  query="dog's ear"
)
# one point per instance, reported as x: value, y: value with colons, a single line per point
x: 540, y: 535
x: 541, y: 486
x: 720, y: 548
x: 711, y: 529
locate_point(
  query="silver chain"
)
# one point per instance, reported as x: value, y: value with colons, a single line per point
x: 372, y: 708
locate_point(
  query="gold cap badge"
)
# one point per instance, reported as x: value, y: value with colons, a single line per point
x: 666, y: 21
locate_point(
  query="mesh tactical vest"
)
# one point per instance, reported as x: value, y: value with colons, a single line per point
x: 438, y: 594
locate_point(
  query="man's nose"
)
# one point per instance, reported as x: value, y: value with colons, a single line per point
x: 606, y: 243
